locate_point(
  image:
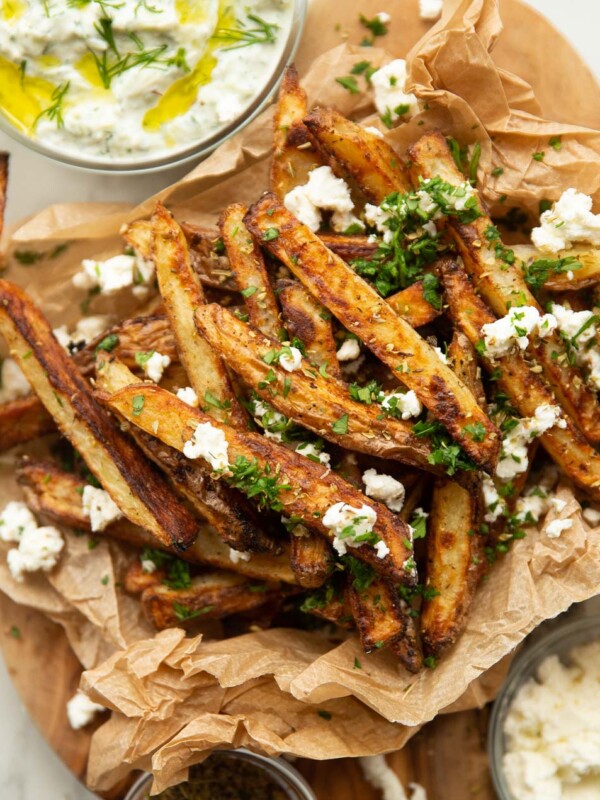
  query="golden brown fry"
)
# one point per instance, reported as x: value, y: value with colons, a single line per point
x: 526, y: 389
x: 293, y: 153
x: 56, y: 495
x: 25, y: 419
x: 303, y: 490
x: 307, y: 320
x: 410, y: 304
x: 463, y: 358
x: 182, y: 293
x: 587, y: 275
x: 226, y: 510
x: 367, y: 158
x: 317, y: 402
x: 311, y: 558
x: 248, y: 265
x: 502, y: 285
x: 138, y: 580
x: 211, y: 596
x: 349, y: 247
x: 139, y: 491
x: 407, y: 648
x: 376, y: 612
x: 356, y: 304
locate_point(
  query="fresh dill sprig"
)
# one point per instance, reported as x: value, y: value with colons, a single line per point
x: 55, y: 111
x: 244, y: 36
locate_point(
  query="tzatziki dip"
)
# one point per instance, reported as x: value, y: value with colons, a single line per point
x: 124, y: 80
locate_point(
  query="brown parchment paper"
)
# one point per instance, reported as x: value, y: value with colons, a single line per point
x: 175, y: 698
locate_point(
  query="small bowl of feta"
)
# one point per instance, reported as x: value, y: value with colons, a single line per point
x: 138, y: 86
x: 544, y: 739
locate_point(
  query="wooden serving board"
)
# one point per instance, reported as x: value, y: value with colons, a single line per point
x: 447, y: 757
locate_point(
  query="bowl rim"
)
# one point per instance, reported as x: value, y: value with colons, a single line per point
x: 278, y: 765
x: 196, y: 151
x: 523, y: 669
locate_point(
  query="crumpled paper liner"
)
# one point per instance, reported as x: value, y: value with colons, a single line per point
x: 174, y: 699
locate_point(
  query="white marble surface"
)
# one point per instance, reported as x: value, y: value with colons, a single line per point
x: 28, y: 769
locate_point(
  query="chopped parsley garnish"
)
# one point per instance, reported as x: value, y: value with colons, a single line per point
x: 444, y: 450
x: 258, y: 483
x: 270, y: 234
x: 540, y: 270
x: 538, y: 156
x: 419, y: 524
x: 108, y: 343
x: 349, y: 83
x: 184, y: 613
x: 212, y: 400
x: 362, y: 574
x: 476, y: 431
x: 431, y: 290
x: 142, y: 358
x: 249, y: 291
x: 375, y: 25
x: 371, y: 393
x: 137, y: 404
x: 324, y: 714
x: 340, y: 426
x: 555, y: 142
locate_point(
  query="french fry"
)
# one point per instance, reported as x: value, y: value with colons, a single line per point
x: 407, y: 648
x: 311, y: 557
x: 331, y: 604
x: 367, y: 158
x: 294, y: 156
x: 137, y: 489
x: 24, y: 419
x: 410, y: 304
x: 182, y: 293
x: 138, y: 580
x: 377, y: 614
x: 358, y: 307
x: 588, y: 274
x: 502, y: 285
x: 307, y: 320
x: 56, y: 495
x: 349, y: 247
x: 248, y: 265
x: 226, y: 510
x: 213, y: 595
x: 526, y: 389
x: 313, y: 400
x: 303, y: 491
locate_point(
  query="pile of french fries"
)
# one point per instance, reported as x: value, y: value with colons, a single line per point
x: 248, y: 541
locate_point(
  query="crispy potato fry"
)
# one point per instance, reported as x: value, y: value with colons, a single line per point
x: 361, y: 310
x: 56, y: 495
x: 367, y: 158
x: 138, y: 580
x: 226, y: 510
x: 310, y: 492
x: 331, y: 605
x: 311, y: 558
x: 139, y: 491
x: 376, y: 612
x: 248, y: 265
x: 349, y: 247
x: 502, y: 285
x: 211, y: 596
x: 410, y: 304
x: 307, y: 320
x: 315, y: 401
x: 526, y: 389
x: 587, y: 275
x: 25, y: 419
x: 407, y: 648
x: 293, y: 153
x: 182, y: 293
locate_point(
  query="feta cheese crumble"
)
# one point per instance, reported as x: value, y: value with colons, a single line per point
x: 81, y: 710
x: 13, y: 384
x: 579, y: 328
x: 569, y: 220
x: 349, y: 350
x: 391, y: 98
x: 513, y: 457
x: 383, y: 778
x: 495, y: 506
x: 87, y: 329
x: 148, y: 566
x: 99, y: 507
x: 557, y: 526
x: 209, y: 443
x: 322, y: 192
x: 235, y: 556
x: 404, y: 404
x: 188, y: 395
x: 501, y: 336
x: 430, y: 9
x: 15, y: 519
x: 310, y: 450
x: 114, y: 273
x: 384, y: 17
x: 351, y: 526
x: 291, y: 361
x: 552, y: 730
x: 155, y: 365
x: 39, y: 549
x: 384, y: 488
